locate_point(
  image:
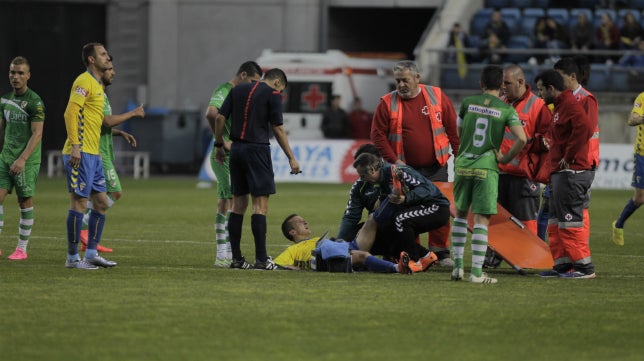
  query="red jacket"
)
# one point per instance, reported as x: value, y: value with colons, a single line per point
x: 536, y: 119
x: 433, y: 127
x: 589, y: 103
x: 571, y: 131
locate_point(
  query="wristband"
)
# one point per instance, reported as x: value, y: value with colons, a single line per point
x: 218, y: 145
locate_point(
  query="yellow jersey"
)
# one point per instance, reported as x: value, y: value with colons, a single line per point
x: 298, y: 254
x: 638, y: 108
x: 85, y: 127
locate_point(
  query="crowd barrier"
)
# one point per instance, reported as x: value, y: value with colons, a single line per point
x: 330, y: 161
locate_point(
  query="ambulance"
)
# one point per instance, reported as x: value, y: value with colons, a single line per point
x: 314, y: 77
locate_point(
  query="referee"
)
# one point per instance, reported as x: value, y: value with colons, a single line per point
x: 254, y: 109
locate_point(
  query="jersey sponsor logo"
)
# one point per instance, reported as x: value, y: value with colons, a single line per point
x: 425, y: 110
x: 472, y: 172
x: 473, y: 108
x: 568, y: 217
x: 81, y: 91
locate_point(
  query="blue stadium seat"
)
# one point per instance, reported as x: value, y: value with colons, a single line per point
x: 559, y: 15
x: 519, y: 42
x: 479, y: 21
x: 526, y: 25
x: 599, y: 78
x: 619, y: 79
x: 511, y: 13
x: 475, y: 41
x: 511, y: 16
x: 512, y: 24
x: 534, y: 12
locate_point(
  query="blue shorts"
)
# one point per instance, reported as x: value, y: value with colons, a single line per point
x: 88, y: 178
x: 638, y: 172
x: 251, y: 169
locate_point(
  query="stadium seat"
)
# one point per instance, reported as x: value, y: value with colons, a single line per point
x: 475, y: 41
x: 511, y: 13
x: 619, y: 79
x: 599, y: 78
x: 451, y: 80
x: 534, y: 12
x: 519, y: 42
x: 526, y: 25
x: 574, y: 13
x: 479, y: 21
x: 559, y: 15
x: 511, y: 16
x: 512, y: 23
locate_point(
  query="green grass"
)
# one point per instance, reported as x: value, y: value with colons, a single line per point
x: 165, y: 300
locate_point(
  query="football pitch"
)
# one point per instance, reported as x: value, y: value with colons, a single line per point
x: 166, y: 301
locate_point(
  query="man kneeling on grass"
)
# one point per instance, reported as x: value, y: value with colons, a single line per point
x: 298, y: 256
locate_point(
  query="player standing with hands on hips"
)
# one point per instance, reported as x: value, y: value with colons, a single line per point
x: 253, y: 108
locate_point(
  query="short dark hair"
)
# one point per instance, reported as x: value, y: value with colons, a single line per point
x: 89, y: 49
x: 251, y: 68
x: 367, y: 148
x: 276, y: 73
x: 368, y: 160
x: 287, y: 226
x: 492, y: 77
x: 551, y: 77
x: 568, y: 66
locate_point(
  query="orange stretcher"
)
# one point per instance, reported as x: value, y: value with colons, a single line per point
x: 509, y: 238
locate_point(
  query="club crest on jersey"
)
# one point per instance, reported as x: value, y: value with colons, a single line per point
x: 555, y: 117
x: 81, y: 91
x: 425, y: 110
x: 638, y: 105
x: 23, y: 104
